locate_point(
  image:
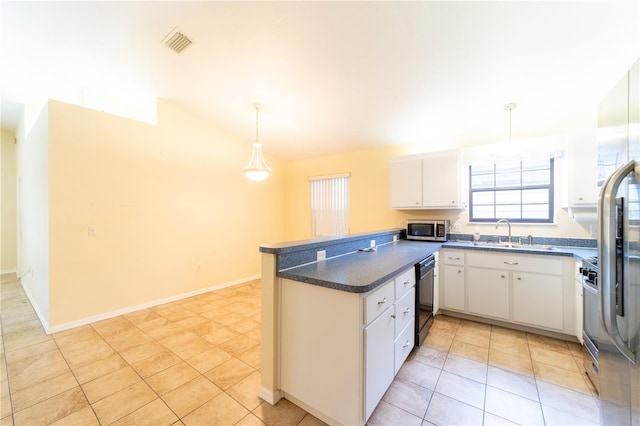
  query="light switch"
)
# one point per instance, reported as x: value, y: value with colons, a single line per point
x: 92, y: 230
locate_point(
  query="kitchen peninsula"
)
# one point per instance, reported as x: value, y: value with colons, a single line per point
x: 336, y: 331
x: 319, y: 318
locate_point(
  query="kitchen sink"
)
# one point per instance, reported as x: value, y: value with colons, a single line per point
x: 506, y: 245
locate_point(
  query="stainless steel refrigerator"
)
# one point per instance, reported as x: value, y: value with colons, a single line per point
x: 619, y: 251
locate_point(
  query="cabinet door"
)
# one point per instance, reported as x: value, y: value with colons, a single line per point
x: 537, y: 300
x: 379, y: 363
x: 488, y: 292
x: 403, y: 345
x: 441, y: 181
x: 453, y: 287
x: 582, y: 162
x: 406, y: 183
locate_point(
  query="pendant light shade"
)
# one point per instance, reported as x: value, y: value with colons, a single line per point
x: 257, y: 169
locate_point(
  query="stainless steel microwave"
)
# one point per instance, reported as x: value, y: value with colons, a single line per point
x: 427, y: 230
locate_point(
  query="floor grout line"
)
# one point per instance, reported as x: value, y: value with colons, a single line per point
x: 460, y: 336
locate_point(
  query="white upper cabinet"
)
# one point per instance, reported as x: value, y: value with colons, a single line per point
x: 582, y: 188
x: 427, y: 181
x: 406, y: 183
x: 441, y: 181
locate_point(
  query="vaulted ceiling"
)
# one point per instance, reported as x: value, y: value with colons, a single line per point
x: 331, y: 76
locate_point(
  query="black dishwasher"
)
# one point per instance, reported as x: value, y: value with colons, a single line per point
x: 424, y: 297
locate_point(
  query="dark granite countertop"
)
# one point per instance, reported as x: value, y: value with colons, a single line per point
x: 363, y: 271
x: 360, y: 272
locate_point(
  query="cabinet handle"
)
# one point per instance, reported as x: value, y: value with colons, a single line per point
x: 406, y: 282
x: 406, y: 311
x: 453, y: 258
x: 510, y: 263
x: 417, y: 202
x: 406, y: 345
x: 383, y: 301
x: 501, y: 276
x: 459, y: 271
x: 519, y: 278
x: 393, y: 316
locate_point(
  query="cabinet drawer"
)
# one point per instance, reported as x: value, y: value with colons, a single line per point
x: 405, y: 310
x: 405, y: 282
x: 516, y: 262
x: 403, y: 346
x: 376, y: 302
x: 452, y: 258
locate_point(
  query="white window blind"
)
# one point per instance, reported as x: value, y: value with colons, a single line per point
x: 330, y: 205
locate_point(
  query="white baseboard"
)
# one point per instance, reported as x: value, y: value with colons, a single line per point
x: 8, y: 271
x: 328, y: 420
x: 123, y: 311
x: 269, y: 396
x: 36, y: 308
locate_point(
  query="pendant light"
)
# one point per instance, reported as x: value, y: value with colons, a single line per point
x: 257, y: 170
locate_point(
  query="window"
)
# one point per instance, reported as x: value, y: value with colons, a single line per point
x: 519, y: 190
x: 330, y: 205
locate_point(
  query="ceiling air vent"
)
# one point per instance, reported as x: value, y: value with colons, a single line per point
x: 176, y: 41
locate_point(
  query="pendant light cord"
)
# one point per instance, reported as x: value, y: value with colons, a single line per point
x: 257, y: 109
x: 510, y: 107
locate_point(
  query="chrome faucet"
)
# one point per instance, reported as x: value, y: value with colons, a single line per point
x: 507, y: 222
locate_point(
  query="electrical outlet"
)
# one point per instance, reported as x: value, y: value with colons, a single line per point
x: 321, y: 255
x: 198, y: 267
x: 456, y: 227
x: 91, y: 230
x: 395, y: 238
x: 372, y: 243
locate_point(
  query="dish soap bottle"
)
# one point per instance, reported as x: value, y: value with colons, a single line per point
x: 476, y: 236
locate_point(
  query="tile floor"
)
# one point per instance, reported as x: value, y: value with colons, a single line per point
x: 197, y: 362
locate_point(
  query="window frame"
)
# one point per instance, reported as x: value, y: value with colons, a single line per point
x: 495, y: 189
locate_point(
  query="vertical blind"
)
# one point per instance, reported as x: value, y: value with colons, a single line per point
x: 330, y: 205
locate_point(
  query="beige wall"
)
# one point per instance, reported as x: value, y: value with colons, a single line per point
x: 172, y: 210
x: 370, y: 206
x: 8, y: 203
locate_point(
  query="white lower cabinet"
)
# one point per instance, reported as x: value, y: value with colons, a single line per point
x: 389, y: 338
x: 339, y: 351
x: 533, y: 290
x: 403, y: 345
x: 379, y: 356
x: 538, y: 300
x: 453, y: 280
x: 489, y: 292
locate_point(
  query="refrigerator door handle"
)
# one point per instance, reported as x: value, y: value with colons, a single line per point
x: 607, y: 258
